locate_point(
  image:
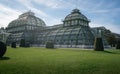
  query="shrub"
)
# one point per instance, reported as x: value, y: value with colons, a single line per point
x: 118, y: 44
x: 27, y: 44
x: 98, y: 44
x: 3, y: 49
x: 22, y: 43
x: 49, y: 44
x: 13, y: 45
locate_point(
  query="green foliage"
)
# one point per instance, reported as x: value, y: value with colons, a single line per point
x: 3, y: 49
x: 98, y: 44
x: 36, y: 60
x: 49, y: 44
x: 118, y: 44
x: 13, y: 45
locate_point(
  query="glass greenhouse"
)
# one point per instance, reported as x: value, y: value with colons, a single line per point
x: 74, y: 32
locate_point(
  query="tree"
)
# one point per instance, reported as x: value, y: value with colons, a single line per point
x: 118, y: 44
x: 98, y: 44
x: 13, y: 45
x: 49, y: 44
x: 3, y: 49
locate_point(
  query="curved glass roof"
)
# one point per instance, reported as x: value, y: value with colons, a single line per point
x: 69, y: 35
x: 75, y: 14
x: 27, y: 18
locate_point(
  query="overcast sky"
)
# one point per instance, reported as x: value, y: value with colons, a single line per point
x: 100, y: 12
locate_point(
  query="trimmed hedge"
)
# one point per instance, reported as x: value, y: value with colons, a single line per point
x: 98, y: 44
x: 49, y: 44
x: 22, y: 43
x: 3, y: 49
x: 118, y: 44
x: 27, y: 44
x: 13, y: 45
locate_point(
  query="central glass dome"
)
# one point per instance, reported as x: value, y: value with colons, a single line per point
x: 76, y: 14
x: 76, y: 18
x: 27, y: 18
x: 75, y: 32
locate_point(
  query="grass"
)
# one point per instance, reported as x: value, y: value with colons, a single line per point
x: 59, y: 61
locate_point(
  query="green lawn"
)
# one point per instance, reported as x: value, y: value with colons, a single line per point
x: 59, y: 61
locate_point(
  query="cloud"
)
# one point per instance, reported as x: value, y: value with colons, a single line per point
x: 7, y: 15
x: 49, y: 20
x: 30, y: 6
x: 98, y: 11
x: 48, y: 3
x: 55, y: 4
x: 112, y: 27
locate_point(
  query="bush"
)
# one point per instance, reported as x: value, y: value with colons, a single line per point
x: 49, y: 44
x: 13, y: 45
x: 22, y: 43
x: 27, y: 44
x: 3, y: 49
x: 98, y: 44
x: 118, y: 44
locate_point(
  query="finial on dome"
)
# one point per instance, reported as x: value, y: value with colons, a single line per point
x: 27, y: 14
x: 75, y: 10
x: 30, y: 11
